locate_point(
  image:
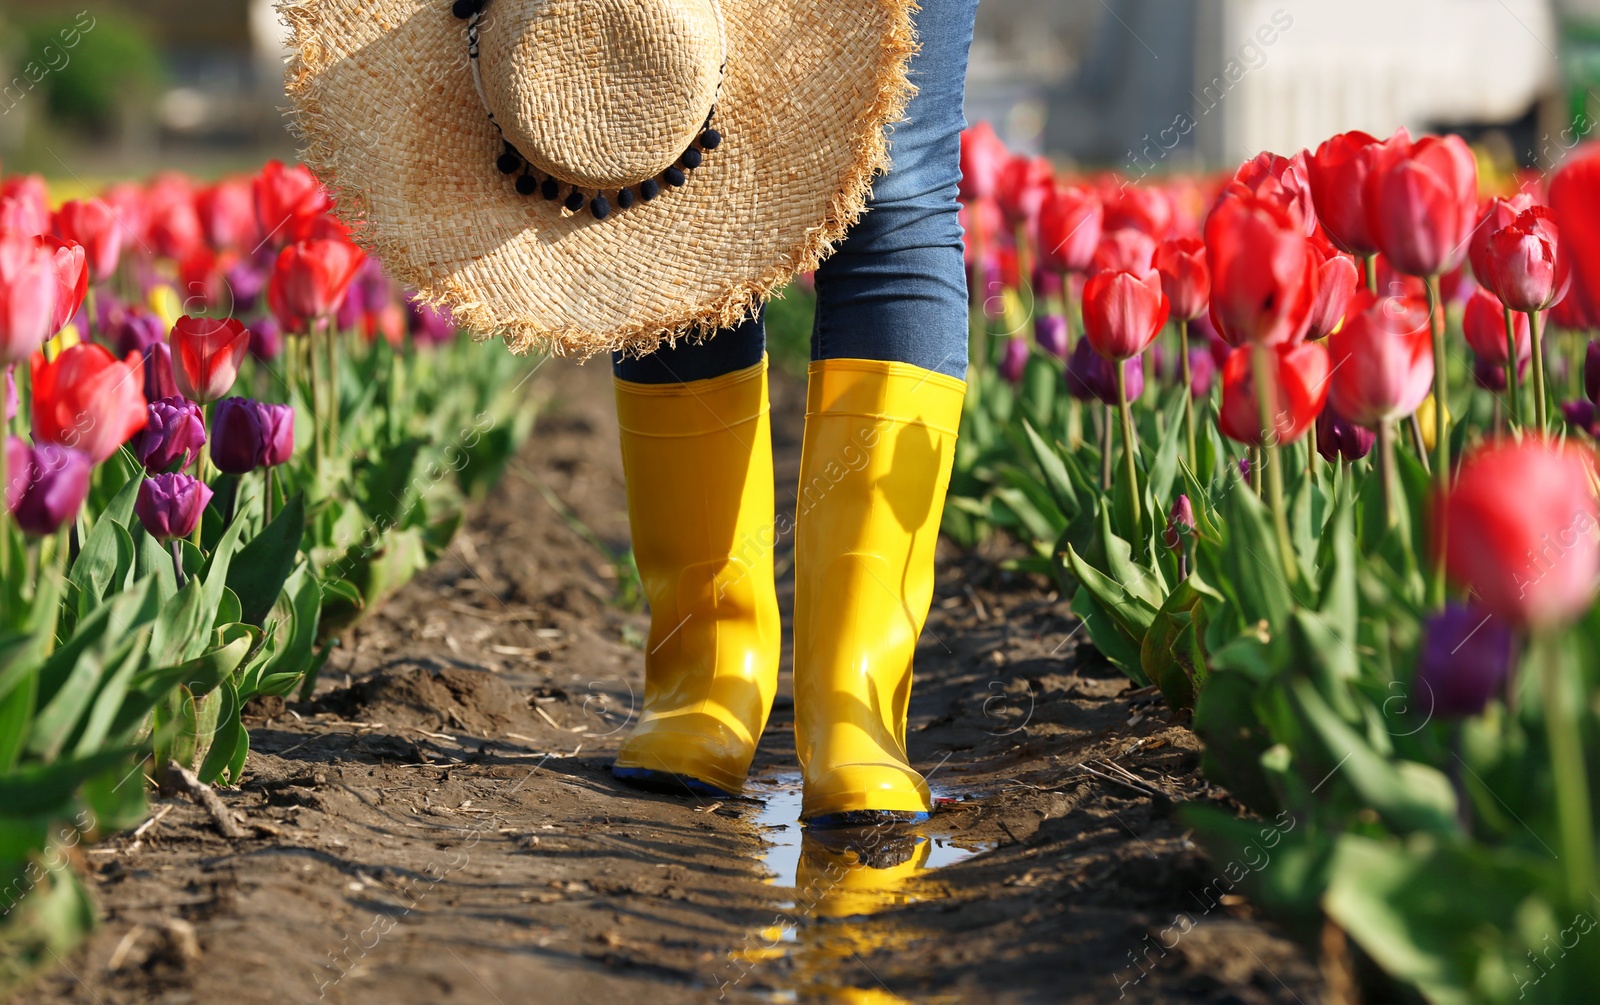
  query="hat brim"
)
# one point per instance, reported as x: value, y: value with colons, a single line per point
x: 385, y: 107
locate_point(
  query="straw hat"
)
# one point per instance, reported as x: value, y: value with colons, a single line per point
x: 588, y: 175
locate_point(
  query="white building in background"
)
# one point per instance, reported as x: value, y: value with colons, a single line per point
x: 1147, y: 84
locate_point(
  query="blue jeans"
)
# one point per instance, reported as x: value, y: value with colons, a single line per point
x: 896, y: 287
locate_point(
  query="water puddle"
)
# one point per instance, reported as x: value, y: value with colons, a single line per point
x: 839, y: 879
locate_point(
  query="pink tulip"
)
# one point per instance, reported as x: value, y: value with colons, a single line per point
x: 94, y: 225
x: 71, y: 269
x: 1496, y: 214
x: 1526, y: 262
x: 982, y: 156
x: 1338, y: 175
x: 1422, y: 202
x: 27, y: 296
x: 1382, y: 360
x: 1484, y: 326
x: 24, y: 206
x: 207, y: 353
x: 1336, y: 284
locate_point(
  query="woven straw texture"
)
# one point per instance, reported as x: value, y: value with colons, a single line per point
x: 385, y: 106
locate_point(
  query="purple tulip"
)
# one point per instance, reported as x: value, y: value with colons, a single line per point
x: 158, y: 379
x: 1339, y: 438
x: 1465, y: 659
x: 429, y: 325
x: 1244, y: 467
x: 133, y: 329
x: 1050, y: 331
x: 1202, y: 372
x: 238, y: 436
x: 1090, y: 375
x: 369, y: 293
x: 45, y: 485
x: 1580, y: 415
x: 170, y: 505
x: 278, y: 435
x: 1180, y: 522
x: 1015, y: 360
x: 1591, y: 371
x: 173, y: 435
x: 245, y: 279
x: 266, y: 339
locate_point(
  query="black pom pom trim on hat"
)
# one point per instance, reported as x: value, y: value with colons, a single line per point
x: 511, y: 161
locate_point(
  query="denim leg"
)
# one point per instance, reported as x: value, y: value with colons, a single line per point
x: 730, y: 349
x: 896, y: 288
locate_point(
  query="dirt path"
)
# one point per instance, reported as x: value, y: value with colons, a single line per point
x: 439, y: 825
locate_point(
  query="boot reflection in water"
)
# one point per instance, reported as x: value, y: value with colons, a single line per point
x: 889, y: 351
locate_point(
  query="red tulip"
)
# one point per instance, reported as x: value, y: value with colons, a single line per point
x: 317, y: 227
x: 1495, y: 215
x: 1575, y: 201
x: 128, y: 205
x: 94, y: 225
x: 1279, y: 180
x: 174, y: 230
x: 980, y: 219
x: 1142, y: 208
x: 1484, y: 325
x: 1125, y: 250
x: 982, y: 156
x: 284, y: 194
x: 1382, y: 359
x: 1519, y: 530
x: 1422, y: 202
x: 1123, y: 312
x: 1528, y: 264
x: 309, y: 280
x: 71, y: 268
x: 1336, y: 284
x: 1070, y: 223
x: 1302, y: 379
x: 27, y: 296
x: 1185, y: 279
x: 207, y: 353
x: 1021, y: 188
x: 24, y: 206
x: 88, y: 399
x: 204, y: 281
x: 1338, y: 175
x: 1263, y: 279
x: 227, y: 212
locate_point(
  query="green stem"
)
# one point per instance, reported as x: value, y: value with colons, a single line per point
x: 1540, y: 407
x: 5, y: 516
x: 1105, y: 449
x: 1266, y: 402
x: 1567, y: 765
x: 1372, y: 274
x: 333, y: 388
x: 1129, y: 443
x: 1441, y: 431
x: 1418, y: 443
x: 266, y: 502
x: 1387, y: 471
x: 203, y: 456
x: 1513, y: 380
x: 1188, y: 390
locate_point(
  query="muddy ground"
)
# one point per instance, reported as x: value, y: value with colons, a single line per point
x: 439, y: 825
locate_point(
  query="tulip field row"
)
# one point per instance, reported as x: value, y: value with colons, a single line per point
x: 228, y: 437
x: 1310, y: 448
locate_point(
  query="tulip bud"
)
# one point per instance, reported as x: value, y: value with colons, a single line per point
x: 1050, y: 331
x: 1465, y: 659
x: 133, y: 329
x: 170, y: 505
x: 46, y: 484
x: 1123, y: 312
x: 1015, y: 359
x: 278, y: 434
x: 238, y: 436
x: 1180, y: 523
x: 1090, y: 376
x: 159, y: 381
x: 1340, y: 439
x: 173, y: 435
x: 209, y: 351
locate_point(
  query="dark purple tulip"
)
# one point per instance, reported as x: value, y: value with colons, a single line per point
x: 429, y: 325
x: 369, y: 293
x: 1050, y: 331
x: 133, y: 329
x: 173, y: 435
x: 1202, y: 372
x: 1591, y: 371
x: 278, y: 436
x: 1465, y: 659
x: 1244, y: 467
x: 170, y: 505
x: 1180, y: 522
x: 1015, y: 360
x: 1580, y: 414
x: 1339, y: 438
x: 1489, y: 376
x: 46, y: 484
x: 238, y: 436
x: 158, y: 379
x: 266, y: 339
x: 1090, y: 375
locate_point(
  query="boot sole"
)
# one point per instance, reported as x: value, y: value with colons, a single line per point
x: 667, y: 783
x: 866, y: 818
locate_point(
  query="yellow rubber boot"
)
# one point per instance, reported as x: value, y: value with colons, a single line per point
x: 698, y: 460
x: 879, y: 442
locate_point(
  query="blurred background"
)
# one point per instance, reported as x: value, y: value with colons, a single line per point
x: 91, y: 89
